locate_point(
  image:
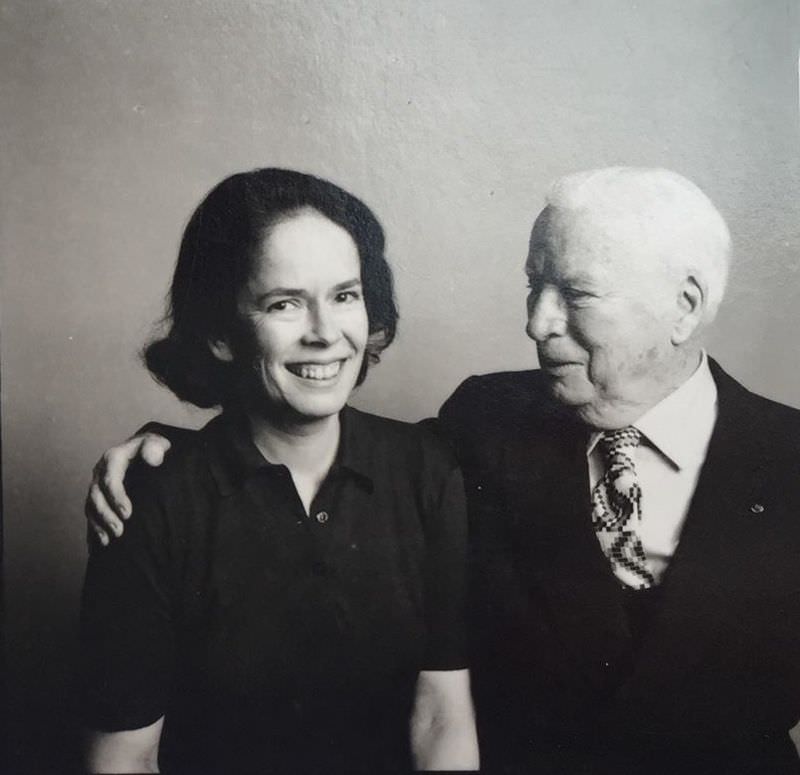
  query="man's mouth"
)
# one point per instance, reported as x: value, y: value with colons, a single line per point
x: 316, y: 371
x: 550, y: 364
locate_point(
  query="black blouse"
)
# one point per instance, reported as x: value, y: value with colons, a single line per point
x: 267, y: 637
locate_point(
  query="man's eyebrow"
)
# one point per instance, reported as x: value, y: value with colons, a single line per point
x: 579, y: 278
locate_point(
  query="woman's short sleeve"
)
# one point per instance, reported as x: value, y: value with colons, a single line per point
x: 127, y: 634
x: 446, y: 570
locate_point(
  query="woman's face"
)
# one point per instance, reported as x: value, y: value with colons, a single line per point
x: 305, y: 322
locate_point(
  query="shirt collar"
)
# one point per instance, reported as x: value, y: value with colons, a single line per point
x: 355, y: 453
x: 680, y: 425
x: 234, y: 458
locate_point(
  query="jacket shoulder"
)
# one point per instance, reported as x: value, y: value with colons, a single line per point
x: 776, y: 425
x: 497, y: 399
x: 497, y: 388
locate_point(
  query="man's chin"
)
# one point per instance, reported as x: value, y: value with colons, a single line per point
x: 604, y: 416
x: 569, y: 392
x: 576, y: 399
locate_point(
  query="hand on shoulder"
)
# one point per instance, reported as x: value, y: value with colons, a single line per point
x: 107, y: 504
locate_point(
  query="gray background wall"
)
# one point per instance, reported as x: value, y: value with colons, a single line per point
x: 448, y: 117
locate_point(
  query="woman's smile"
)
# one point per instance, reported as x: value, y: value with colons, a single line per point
x: 316, y: 371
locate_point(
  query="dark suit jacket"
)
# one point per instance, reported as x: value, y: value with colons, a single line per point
x: 714, y: 684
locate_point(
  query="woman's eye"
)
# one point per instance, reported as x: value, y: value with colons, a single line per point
x: 282, y: 306
x: 345, y: 297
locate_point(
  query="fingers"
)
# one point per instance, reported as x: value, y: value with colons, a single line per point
x: 107, y: 503
x: 110, y: 471
x: 110, y: 475
x: 102, y: 518
x: 92, y: 528
x: 153, y: 448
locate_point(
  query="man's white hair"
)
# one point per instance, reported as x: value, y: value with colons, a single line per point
x: 672, y: 217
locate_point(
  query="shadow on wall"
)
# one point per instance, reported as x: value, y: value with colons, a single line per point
x: 42, y: 720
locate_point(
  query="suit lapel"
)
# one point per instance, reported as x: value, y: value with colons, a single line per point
x: 558, y: 553
x: 716, y: 537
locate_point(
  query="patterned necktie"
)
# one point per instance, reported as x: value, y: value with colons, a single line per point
x: 617, y: 509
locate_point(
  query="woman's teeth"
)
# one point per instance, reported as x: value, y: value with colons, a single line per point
x: 316, y: 370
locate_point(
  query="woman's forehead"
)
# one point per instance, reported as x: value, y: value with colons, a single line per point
x: 306, y: 248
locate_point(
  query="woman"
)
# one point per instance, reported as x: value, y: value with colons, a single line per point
x: 290, y: 591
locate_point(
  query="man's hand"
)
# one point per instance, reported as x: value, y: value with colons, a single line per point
x: 107, y: 503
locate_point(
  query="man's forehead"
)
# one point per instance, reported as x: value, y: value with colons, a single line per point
x: 577, y: 239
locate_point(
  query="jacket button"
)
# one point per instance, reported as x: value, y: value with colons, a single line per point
x: 757, y: 508
x: 322, y: 517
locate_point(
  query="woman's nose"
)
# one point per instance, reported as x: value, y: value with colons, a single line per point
x: 323, y: 328
x: 546, y: 314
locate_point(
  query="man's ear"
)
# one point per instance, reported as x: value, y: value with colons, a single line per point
x: 692, y: 304
x: 221, y: 350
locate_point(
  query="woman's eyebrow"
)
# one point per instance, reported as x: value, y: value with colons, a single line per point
x: 285, y: 291
x: 282, y: 292
x: 347, y: 284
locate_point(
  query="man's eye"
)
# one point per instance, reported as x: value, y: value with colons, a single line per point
x: 346, y: 297
x: 575, y: 295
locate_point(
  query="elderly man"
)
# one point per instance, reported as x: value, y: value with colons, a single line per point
x: 634, y: 510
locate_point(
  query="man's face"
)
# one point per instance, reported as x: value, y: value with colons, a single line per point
x: 601, y: 316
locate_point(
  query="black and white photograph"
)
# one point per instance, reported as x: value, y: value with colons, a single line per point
x: 396, y: 386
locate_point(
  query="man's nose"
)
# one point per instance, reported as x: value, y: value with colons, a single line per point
x: 546, y: 314
x: 323, y: 327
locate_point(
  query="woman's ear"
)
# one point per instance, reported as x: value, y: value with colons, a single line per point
x: 221, y: 350
x: 376, y: 341
x: 692, y: 304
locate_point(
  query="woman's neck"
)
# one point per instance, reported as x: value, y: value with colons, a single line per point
x: 306, y: 449
x: 306, y: 445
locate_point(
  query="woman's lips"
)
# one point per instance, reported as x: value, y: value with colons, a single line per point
x: 316, y: 371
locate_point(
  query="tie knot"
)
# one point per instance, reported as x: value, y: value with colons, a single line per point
x: 620, y: 441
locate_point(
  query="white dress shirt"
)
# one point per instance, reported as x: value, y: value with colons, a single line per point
x: 675, y: 436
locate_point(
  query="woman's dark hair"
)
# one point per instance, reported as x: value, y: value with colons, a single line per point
x: 219, y: 244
